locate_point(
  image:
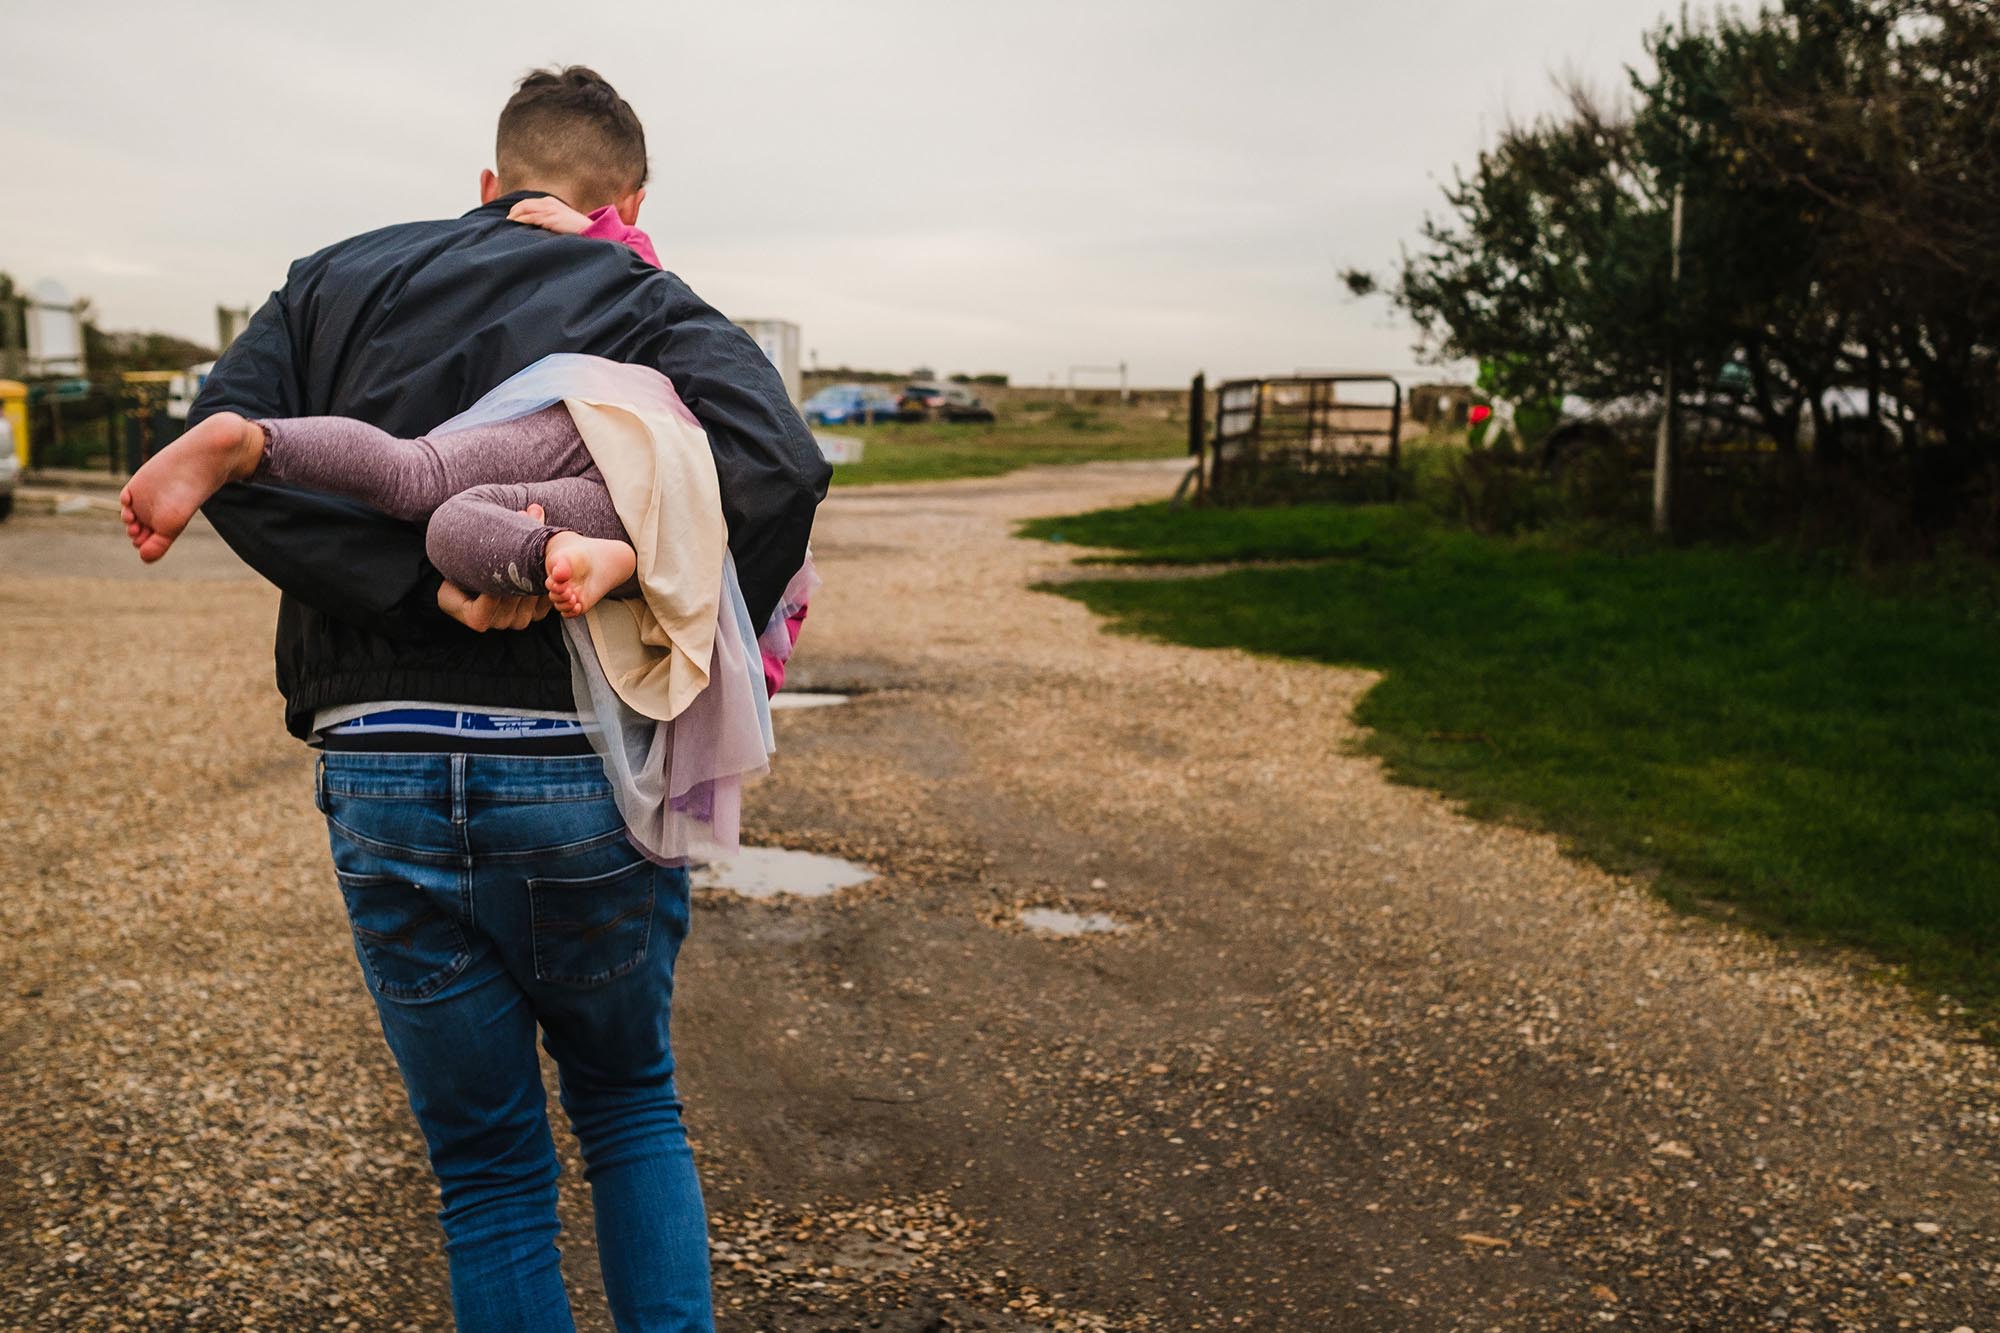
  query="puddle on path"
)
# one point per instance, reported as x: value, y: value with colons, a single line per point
x: 785, y: 699
x: 1054, y: 921
x: 766, y: 872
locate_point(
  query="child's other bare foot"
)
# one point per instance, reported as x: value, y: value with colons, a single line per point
x: 162, y: 496
x: 583, y: 570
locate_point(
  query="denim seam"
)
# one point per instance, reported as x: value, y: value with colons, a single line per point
x: 359, y: 881
x: 428, y: 857
x: 431, y: 856
x: 533, y: 853
x: 461, y: 818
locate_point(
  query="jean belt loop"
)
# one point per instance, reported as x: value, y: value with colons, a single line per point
x: 319, y: 783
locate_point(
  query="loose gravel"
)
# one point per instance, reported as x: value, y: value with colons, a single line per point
x: 1360, y: 1062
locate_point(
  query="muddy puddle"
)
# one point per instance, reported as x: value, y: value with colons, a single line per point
x: 768, y: 872
x: 786, y: 700
x: 1055, y: 921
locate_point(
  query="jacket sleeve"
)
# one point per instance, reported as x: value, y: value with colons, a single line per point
x: 770, y: 469
x: 339, y: 557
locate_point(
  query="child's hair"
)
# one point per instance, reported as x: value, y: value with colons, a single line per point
x: 568, y: 126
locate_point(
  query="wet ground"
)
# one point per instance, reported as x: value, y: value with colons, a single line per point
x: 796, y: 699
x: 1352, y: 1062
x: 773, y: 872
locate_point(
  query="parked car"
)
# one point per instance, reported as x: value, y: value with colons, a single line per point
x: 927, y: 400
x: 1846, y: 410
x: 1583, y: 426
x: 851, y: 404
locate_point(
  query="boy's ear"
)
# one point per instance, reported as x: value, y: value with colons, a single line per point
x: 489, y: 186
x: 628, y: 207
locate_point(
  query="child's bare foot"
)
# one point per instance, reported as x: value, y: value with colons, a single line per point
x: 162, y: 496
x: 583, y: 570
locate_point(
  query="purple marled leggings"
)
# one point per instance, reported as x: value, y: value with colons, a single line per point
x: 471, y: 485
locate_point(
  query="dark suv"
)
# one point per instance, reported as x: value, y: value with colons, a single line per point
x: 929, y: 401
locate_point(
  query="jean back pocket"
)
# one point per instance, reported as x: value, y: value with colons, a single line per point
x: 410, y: 944
x: 592, y: 930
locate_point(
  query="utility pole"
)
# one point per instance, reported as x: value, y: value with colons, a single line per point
x: 1667, y: 448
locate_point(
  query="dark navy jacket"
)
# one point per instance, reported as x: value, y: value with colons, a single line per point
x: 404, y: 328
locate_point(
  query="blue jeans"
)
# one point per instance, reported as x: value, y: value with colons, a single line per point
x: 491, y: 897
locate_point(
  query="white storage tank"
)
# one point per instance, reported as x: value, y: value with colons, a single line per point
x: 780, y: 340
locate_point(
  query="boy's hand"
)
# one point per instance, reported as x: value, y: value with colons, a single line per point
x: 550, y: 214
x: 489, y: 610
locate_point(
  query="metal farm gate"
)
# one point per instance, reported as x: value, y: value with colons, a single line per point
x: 1296, y: 438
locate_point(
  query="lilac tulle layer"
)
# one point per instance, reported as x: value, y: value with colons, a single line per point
x: 678, y: 784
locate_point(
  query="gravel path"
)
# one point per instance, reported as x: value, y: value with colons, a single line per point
x: 1358, y: 1063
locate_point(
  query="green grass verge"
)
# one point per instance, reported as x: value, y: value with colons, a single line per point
x: 1151, y: 535
x: 939, y: 451
x: 1789, y: 744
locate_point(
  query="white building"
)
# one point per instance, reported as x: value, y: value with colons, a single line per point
x: 780, y: 340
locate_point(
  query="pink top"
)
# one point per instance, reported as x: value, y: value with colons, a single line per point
x: 774, y: 665
x: 606, y: 225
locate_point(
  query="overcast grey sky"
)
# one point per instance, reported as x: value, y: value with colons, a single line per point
x: 1011, y: 187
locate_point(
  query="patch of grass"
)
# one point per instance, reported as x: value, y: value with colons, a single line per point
x: 1154, y: 534
x: 1790, y: 742
x: 898, y: 451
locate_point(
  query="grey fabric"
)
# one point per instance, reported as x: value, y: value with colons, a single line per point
x: 470, y: 486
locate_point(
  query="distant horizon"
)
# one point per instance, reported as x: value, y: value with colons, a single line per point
x: 1406, y: 374
x: 1162, y: 185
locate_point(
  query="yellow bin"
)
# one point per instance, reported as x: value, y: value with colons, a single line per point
x: 14, y: 407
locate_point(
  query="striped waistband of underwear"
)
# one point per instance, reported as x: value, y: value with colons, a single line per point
x: 465, y: 723
x: 454, y: 731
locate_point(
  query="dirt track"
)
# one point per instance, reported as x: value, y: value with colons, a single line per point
x: 1362, y: 1063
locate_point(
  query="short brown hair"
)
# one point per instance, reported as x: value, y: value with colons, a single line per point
x: 567, y: 125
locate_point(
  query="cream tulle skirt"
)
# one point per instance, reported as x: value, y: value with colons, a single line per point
x: 679, y: 783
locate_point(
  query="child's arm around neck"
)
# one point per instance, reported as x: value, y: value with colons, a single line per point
x: 552, y: 214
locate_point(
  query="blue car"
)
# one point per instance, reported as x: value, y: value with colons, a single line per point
x: 850, y: 405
